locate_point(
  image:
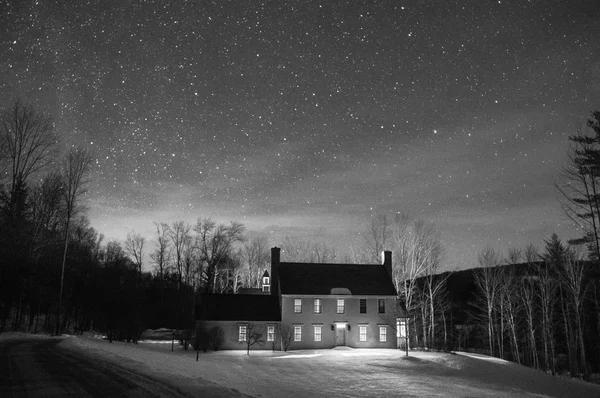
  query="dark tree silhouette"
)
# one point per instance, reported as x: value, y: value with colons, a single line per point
x: 134, y: 246
x: 579, y: 185
x: 74, y: 174
x: 27, y: 146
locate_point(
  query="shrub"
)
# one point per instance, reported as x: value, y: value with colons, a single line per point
x: 201, y: 339
x: 216, y: 337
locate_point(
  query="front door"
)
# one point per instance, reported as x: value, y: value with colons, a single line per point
x: 340, y: 336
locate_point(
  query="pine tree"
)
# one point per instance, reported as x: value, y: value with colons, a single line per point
x: 580, y: 188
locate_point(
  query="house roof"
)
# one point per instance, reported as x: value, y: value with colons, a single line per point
x: 252, y: 290
x: 321, y: 279
x: 238, y: 307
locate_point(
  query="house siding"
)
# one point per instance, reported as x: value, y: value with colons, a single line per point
x: 231, y: 331
x: 329, y: 317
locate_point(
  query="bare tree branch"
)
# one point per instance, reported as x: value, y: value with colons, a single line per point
x: 27, y: 146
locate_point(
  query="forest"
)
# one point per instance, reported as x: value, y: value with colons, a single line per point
x: 540, y: 308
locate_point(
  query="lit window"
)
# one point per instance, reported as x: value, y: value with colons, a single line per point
x: 362, y: 333
x: 382, y: 333
x: 317, y: 306
x: 381, y: 306
x: 266, y: 280
x: 242, y: 333
x: 297, y: 306
x: 341, y: 306
x: 270, y: 333
x: 317, y: 333
x: 297, y: 333
x: 363, y: 306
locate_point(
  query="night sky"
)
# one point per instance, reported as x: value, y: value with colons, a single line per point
x: 306, y: 118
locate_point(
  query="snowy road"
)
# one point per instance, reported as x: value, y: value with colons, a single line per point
x: 40, y: 367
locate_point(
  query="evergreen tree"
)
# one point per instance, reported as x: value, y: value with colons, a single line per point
x: 580, y: 188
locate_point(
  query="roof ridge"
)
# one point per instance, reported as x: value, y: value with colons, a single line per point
x: 299, y: 263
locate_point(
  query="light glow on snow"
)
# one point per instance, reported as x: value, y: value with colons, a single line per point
x: 339, y: 373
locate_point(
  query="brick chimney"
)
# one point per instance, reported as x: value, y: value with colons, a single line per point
x: 275, y: 259
x: 386, y: 259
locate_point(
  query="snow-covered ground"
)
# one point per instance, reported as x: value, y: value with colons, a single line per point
x: 340, y: 372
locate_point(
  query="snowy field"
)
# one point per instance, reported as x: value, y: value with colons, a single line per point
x: 338, y: 372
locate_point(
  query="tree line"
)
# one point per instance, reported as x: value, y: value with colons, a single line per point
x: 539, y: 309
x: 41, y: 193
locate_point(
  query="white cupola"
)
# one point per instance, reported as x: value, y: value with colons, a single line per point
x: 266, y: 282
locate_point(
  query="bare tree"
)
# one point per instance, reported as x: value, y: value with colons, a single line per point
x: 379, y: 235
x: 215, y: 244
x: 527, y: 293
x: 27, y: 146
x: 547, y: 288
x: 237, y: 270
x: 531, y: 253
x: 161, y: 254
x: 575, y: 282
x: 306, y: 251
x: 416, y: 249
x: 179, y: 233
x: 46, y: 207
x: 510, y: 310
x: 595, y: 299
x: 323, y: 253
x: 514, y: 255
x: 434, y: 286
x: 190, y: 262
x: 358, y: 255
x: 254, y: 335
x: 161, y: 258
x: 444, y: 307
x: 552, y: 288
x: 488, y: 282
x: 75, y: 169
x: 134, y: 246
x: 286, y: 333
x: 256, y: 257
x: 296, y: 249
